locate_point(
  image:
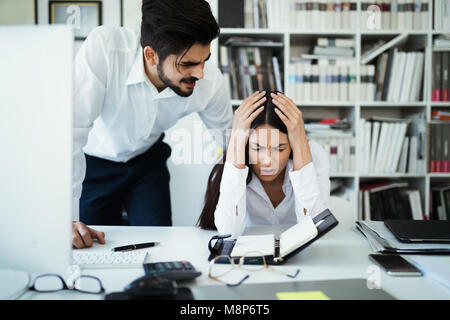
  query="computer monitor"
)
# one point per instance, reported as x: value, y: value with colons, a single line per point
x: 36, y: 148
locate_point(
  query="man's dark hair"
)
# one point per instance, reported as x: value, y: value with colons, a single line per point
x: 174, y: 26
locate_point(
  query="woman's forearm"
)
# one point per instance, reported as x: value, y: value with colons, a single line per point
x: 236, y: 149
x: 301, y: 152
x: 230, y: 213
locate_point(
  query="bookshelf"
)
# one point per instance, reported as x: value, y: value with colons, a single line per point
x: 419, y: 39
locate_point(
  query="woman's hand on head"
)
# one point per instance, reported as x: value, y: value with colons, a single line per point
x: 292, y: 117
x: 250, y: 108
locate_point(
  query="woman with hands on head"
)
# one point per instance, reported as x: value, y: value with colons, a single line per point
x: 270, y: 173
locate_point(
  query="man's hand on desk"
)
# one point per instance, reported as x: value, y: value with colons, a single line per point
x: 83, y: 236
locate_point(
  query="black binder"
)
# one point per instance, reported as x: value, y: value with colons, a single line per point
x: 325, y: 221
x: 434, y: 231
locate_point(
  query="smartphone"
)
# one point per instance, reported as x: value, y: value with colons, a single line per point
x: 395, y: 265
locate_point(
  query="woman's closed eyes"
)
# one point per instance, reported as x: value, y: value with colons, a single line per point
x: 257, y: 147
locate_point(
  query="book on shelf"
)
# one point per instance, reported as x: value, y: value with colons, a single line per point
x: 253, y: 14
x: 310, y: 82
x: 301, y: 14
x: 334, y: 58
x: 441, y: 15
x: 334, y: 135
x: 367, y: 83
x: 441, y: 43
x: 415, y: 204
x: 440, y: 80
x: 332, y: 14
x: 440, y: 202
x: 394, y: 15
x: 374, y: 50
x: 380, y: 75
x: 322, y: 14
x: 333, y: 48
x: 312, y: 124
x: 252, y: 42
x: 438, y: 144
x: 381, y: 200
x: 336, y: 42
x: 391, y: 145
x: 440, y: 115
x: 398, y: 77
x: 327, y: 74
x: 250, y: 65
x: 225, y: 67
x: 333, y: 51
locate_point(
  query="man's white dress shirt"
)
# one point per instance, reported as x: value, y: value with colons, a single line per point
x: 119, y: 113
x: 241, y: 205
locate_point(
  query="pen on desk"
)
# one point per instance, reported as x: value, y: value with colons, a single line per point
x: 135, y: 246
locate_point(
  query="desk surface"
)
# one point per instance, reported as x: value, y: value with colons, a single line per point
x: 341, y: 254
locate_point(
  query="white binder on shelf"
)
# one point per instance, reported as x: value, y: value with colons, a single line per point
x: 373, y: 53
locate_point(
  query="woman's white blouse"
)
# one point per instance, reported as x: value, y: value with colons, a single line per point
x: 241, y: 205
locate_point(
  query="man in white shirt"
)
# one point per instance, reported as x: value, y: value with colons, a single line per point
x: 129, y: 89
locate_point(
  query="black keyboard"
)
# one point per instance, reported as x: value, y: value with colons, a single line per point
x: 172, y: 270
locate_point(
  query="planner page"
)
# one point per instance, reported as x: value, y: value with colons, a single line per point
x: 297, y: 235
x: 249, y: 244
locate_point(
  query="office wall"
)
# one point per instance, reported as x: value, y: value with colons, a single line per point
x: 189, y: 178
x: 14, y: 12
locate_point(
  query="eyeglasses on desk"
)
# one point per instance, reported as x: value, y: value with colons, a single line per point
x: 250, y: 261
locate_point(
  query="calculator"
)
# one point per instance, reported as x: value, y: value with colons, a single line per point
x: 172, y: 270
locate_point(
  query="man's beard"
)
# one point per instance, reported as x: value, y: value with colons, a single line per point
x: 176, y: 89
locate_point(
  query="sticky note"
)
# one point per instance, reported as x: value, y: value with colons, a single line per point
x: 302, y: 295
x: 219, y: 152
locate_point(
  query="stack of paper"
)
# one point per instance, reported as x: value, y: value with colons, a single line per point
x: 382, y: 240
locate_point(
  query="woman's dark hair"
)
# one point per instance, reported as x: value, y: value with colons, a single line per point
x: 174, y: 26
x: 267, y: 116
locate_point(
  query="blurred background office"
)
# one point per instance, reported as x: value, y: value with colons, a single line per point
x: 371, y: 78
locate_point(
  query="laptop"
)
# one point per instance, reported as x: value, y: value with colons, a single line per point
x: 437, y: 231
x: 342, y: 289
x: 36, y: 65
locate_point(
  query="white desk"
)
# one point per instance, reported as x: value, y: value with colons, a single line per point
x: 340, y: 254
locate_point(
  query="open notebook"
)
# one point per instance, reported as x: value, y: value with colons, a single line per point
x: 289, y: 240
x: 276, y: 249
